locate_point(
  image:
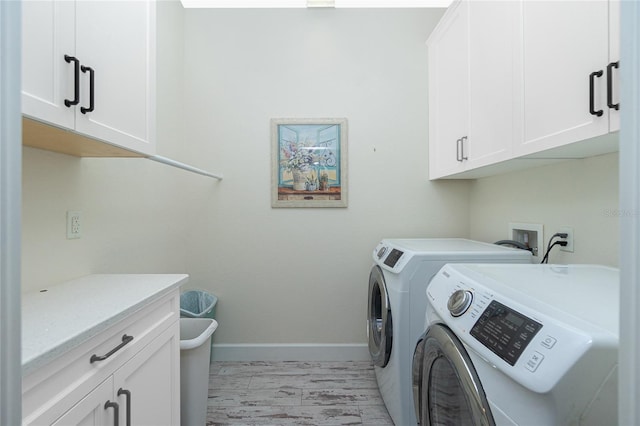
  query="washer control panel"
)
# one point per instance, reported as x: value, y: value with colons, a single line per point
x: 505, y: 331
x: 513, y: 334
x: 393, y: 258
x: 390, y: 258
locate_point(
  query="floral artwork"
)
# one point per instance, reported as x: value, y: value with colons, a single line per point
x: 309, y: 162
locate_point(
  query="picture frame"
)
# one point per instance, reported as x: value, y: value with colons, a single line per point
x: 309, y: 162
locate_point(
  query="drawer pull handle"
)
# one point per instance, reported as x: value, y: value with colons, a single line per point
x: 127, y: 394
x: 116, y: 411
x: 125, y: 339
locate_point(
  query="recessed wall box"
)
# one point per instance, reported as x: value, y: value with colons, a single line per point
x: 529, y: 234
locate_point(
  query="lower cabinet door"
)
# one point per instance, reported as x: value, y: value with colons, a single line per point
x: 147, y: 387
x: 97, y: 408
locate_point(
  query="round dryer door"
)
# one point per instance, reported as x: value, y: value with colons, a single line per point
x: 449, y: 390
x: 379, y: 322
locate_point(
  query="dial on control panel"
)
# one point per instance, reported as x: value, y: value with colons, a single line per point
x: 459, y: 302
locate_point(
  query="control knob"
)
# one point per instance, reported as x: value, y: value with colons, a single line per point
x: 459, y: 302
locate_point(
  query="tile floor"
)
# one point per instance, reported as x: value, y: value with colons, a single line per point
x: 294, y: 393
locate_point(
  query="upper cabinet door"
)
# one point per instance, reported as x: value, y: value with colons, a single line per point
x: 116, y: 40
x: 472, y: 107
x: 48, y: 34
x: 89, y: 66
x: 493, y: 106
x: 565, y: 46
x: 449, y: 92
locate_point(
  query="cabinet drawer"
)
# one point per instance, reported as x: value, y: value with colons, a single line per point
x: 53, y: 389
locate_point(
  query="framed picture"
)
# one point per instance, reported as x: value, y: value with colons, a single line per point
x: 309, y: 162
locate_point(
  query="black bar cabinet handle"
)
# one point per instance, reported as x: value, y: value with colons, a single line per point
x: 91, y: 87
x: 125, y: 339
x: 116, y: 411
x: 464, y: 157
x: 127, y: 394
x: 458, y: 151
x: 76, y: 80
x: 592, y: 82
x: 610, y: 67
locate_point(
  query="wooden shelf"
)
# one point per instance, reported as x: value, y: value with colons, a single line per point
x: 39, y: 135
x: 44, y: 136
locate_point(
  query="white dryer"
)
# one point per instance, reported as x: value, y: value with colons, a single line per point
x: 519, y: 345
x: 396, y: 307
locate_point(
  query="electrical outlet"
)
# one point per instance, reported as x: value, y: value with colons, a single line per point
x: 74, y: 224
x: 529, y: 234
x: 569, y: 239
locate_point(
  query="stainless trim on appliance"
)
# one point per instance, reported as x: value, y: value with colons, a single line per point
x: 439, y: 344
x: 379, y: 321
x: 416, y: 374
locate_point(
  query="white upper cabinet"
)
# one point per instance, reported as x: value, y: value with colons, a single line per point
x: 47, y: 79
x: 492, y: 53
x: 513, y: 79
x: 89, y: 66
x: 565, y: 58
x: 471, y: 102
x: 448, y: 92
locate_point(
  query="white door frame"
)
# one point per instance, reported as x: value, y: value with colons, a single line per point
x: 10, y: 225
x: 629, y: 357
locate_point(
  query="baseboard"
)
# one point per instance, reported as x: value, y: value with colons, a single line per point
x: 290, y: 352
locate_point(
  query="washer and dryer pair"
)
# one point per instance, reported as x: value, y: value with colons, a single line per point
x: 397, y: 304
x: 519, y: 345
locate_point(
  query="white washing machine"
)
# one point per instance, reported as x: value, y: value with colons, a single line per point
x: 397, y: 283
x: 519, y: 345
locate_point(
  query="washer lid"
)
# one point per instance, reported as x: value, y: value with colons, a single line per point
x: 590, y: 293
x: 447, y: 245
x: 394, y: 254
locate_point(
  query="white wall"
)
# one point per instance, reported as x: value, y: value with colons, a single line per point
x: 301, y: 275
x: 582, y: 194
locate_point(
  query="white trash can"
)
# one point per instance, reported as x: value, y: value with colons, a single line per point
x: 195, y: 348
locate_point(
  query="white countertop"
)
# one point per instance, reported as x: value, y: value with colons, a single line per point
x: 63, y: 316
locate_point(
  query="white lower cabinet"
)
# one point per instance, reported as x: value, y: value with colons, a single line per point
x: 145, y: 387
x: 136, y: 375
x: 141, y: 392
x: 92, y: 409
